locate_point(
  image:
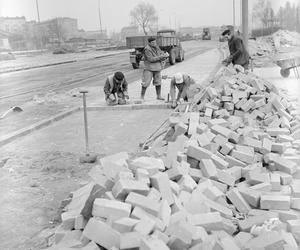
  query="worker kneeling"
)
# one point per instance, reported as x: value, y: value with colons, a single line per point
x: 186, y: 88
x: 115, y: 89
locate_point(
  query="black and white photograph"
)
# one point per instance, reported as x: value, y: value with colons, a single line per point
x: 149, y: 124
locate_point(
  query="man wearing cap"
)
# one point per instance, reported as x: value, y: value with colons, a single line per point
x: 238, y: 53
x: 183, y: 83
x: 116, y: 84
x: 154, y: 59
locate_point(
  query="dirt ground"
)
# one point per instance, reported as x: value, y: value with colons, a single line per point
x: 37, y: 172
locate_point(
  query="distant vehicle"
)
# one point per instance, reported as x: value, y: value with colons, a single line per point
x: 206, y: 34
x: 223, y: 28
x: 167, y: 42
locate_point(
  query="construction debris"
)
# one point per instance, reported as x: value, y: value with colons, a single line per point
x: 225, y: 176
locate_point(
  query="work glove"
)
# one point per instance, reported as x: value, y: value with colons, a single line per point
x: 112, y: 97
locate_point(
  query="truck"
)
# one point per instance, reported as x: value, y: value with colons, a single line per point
x: 206, y: 34
x: 167, y: 41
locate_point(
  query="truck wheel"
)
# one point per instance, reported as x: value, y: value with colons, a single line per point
x: 172, y: 57
x: 135, y: 65
x: 285, y: 73
x: 180, y: 57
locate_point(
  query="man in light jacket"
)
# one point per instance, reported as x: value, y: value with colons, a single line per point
x: 186, y: 86
x: 154, y: 59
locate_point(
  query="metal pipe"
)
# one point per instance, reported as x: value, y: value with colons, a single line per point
x: 245, y: 22
x: 233, y: 15
x: 37, y: 8
x: 85, y: 121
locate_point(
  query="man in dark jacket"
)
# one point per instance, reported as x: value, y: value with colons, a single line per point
x: 116, y: 84
x: 238, y: 53
x: 154, y: 59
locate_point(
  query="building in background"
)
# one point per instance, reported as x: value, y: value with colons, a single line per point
x: 129, y: 31
x: 12, y: 24
x: 57, y: 30
x: 4, y: 42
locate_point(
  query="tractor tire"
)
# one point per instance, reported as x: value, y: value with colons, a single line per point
x: 172, y: 57
x: 135, y: 65
x: 285, y: 73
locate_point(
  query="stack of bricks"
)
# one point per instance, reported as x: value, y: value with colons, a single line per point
x: 225, y: 176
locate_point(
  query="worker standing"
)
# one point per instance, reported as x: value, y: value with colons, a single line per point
x: 186, y: 86
x: 154, y: 61
x: 238, y: 52
x: 115, y: 89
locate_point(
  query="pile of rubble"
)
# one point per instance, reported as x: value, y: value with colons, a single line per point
x: 224, y: 176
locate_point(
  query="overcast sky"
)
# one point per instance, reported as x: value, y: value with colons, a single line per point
x: 116, y: 13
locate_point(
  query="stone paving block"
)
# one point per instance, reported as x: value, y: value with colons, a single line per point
x: 124, y: 225
x: 102, y: 234
x: 295, y: 203
x: 238, y: 201
x: 151, y: 164
x: 145, y: 226
x: 110, y: 209
x: 212, y: 193
x: 215, y: 206
x: 198, y: 153
x: 187, y: 183
x: 123, y: 187
x: 154, y: 194
x: 83, y: 199
x: 177, y: 170
x: 263, y: 187
x: 225, y: 177
x: 219, y: 162
x: 242, y: 156
x: 149, y: 205
x: 208, y: 168
x: 226, y: 148
x: 209, y: 221
x: 268, y: 240
x: 241, y: 238
x: 161, y: 182
x: 234, y: 162
x: 275, y: 202
x: 193, y: 122
x: 275, y: 182
x: 130, y: 240
x: 196, y: 174
x: 153, y: 244
x: 293, y: 225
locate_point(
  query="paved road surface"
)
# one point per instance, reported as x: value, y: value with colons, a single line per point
x: 19, y: 87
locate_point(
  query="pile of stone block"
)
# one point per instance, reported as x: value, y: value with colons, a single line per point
x: 226, y: 175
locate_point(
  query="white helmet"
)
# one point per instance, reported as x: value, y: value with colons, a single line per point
x: 178, y: 77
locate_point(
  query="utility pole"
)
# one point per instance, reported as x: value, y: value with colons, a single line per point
x: 37, y: 8
x: 245, y: 22
x: 233, y: 15
x: 99, y: 16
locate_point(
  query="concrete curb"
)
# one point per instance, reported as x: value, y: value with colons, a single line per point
x: 59, y: 63
x: 130, y: 107
x: 46, y: 122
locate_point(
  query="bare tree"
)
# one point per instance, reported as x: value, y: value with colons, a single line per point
x: 145, y: 16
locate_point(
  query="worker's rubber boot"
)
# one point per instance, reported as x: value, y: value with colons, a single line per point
x: 158, y: 93
x: 143, y: 92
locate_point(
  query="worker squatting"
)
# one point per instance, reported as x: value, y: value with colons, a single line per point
x: 116, y: 86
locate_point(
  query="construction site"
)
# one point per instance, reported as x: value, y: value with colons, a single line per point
x: 220, y: 171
